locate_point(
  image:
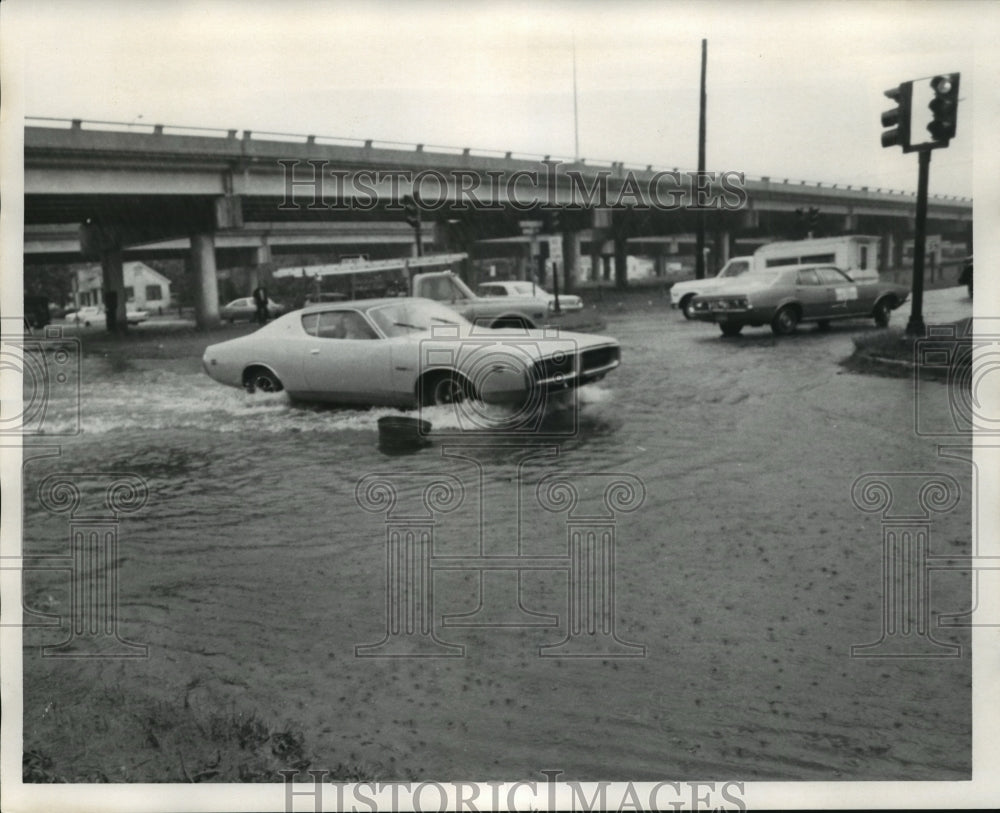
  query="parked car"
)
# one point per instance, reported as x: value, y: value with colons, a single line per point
x: 88, y: 314
x: 92, y: 314
x: 785, y: 297
x: 385, y: 352
x: 245, y: 308
x: 521, y: 288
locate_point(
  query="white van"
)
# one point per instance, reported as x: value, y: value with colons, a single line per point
x: 854, y: 253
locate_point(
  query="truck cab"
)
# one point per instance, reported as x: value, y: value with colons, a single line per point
x: 448, y: 289
x: 682, y: 293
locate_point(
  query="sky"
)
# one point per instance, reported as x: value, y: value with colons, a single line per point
x: 795, y: 90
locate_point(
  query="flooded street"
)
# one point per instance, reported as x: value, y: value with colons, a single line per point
x: 743, y: 573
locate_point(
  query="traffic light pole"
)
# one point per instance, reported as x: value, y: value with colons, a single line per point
x: 915, y: 327
x: 699, y: 251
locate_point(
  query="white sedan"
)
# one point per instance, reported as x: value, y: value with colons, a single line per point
x: 405, y: 352
x: 90, y: 314
x: 521, y: 288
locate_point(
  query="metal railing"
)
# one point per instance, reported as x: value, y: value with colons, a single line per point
x: 440, y: 149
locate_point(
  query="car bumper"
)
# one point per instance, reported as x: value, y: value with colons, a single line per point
x: 550, y: 376
x: 733, y: 316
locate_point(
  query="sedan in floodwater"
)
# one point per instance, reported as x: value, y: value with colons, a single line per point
x: 785, y: 297
x: 405, y: 352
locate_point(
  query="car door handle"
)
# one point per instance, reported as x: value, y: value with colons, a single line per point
x: 314, y: 351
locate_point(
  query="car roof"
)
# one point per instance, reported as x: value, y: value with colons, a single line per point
x: 802, y: 267
x: 363, y: 304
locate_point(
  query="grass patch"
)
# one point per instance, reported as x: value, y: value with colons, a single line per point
x: 124, y: 740
x: 896, y: 354
x: 118, y: 361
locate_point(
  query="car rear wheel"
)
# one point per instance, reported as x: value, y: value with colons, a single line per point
x: 730, y: 330
x: 881, y: 313
x: 260, y: 378
x: 444, y: 388
x: 785, y: 321
x: 687, y: 306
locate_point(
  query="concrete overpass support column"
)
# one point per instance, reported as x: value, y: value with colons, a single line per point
x: 570, y: 261
x: 113, y: 293
x: 260, y: 271
x: 202, y: 267
x: 596, y: 255
x: 725, y: 249
x: 621, y: 261
x: 887, y: 262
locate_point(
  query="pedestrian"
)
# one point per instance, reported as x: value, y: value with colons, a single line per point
x: 260, y: 301
x: 965, y: 278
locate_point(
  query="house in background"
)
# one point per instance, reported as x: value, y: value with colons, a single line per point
x: 145, y: 288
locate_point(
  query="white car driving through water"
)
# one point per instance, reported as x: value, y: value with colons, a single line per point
x: 405, y: 352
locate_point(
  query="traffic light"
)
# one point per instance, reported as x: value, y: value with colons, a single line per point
x: 412, y: 212
x: 944, y: 106
x: 899, y: 117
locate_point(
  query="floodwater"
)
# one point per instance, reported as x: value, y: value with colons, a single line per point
x: 742, y: 572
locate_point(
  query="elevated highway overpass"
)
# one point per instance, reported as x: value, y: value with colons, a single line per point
x: 225, y: 196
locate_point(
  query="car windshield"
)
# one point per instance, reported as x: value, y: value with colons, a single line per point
x: 734, y: 269
x: 414, y: 316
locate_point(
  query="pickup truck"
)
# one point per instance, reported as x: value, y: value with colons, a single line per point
x: 508, y: 311
x: 682, y: 294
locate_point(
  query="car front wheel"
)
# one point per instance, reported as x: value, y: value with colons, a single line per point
x: 446, y: 388
x: 687, y: 306
x: 259, y: 378
x: 785, y: 321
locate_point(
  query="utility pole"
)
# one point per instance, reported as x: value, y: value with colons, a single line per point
x: 413, y: 218
x: 576, y: 117
x: 699, y: 259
